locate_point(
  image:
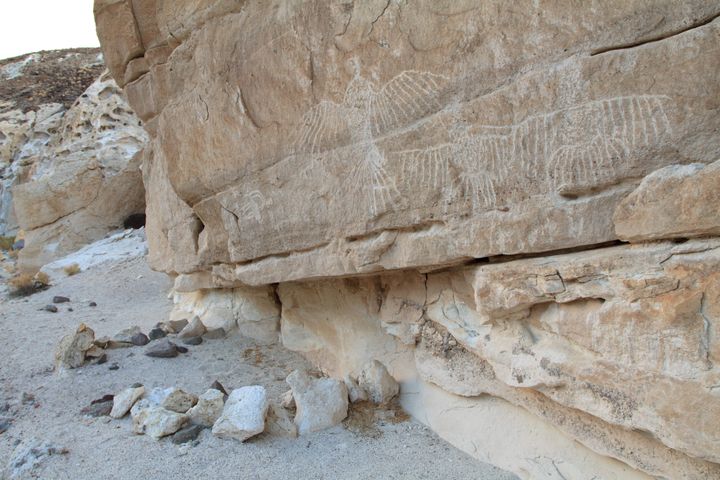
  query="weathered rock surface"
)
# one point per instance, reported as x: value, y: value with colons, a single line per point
x: 244, y: 413
x: 193, y: 329
x: 440, y: 186
x: 85, y: 181
x: 321, y: 402
x: 208, y: 409
x: 677, y: 201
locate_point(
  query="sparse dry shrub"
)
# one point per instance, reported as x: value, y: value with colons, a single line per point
x: 26, y: 284
x: 72, y: 269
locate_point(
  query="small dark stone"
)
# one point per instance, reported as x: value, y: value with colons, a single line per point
x: 136, y: 385
x: 139, y: 339
x: 163, y: 348
x: 105, y: 398
x: 187, y: 434
x: 219, y: 386
x: 70, y: 310
x: 60, y: 299
x: 114, y: 366
x: 102, y: 359
x: 99, y: 409
x: 156, y: 333
x: 92, y: 304
x: 50, y: 308
x: 19, y: 245
x: 214, y: 334
x: 193, y: 341
x: 181, y: 349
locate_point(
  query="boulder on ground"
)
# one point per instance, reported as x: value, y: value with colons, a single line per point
x: 71, y: 350
x: 321, y: 402
x: 208, y: 409
x: 244, y: 413
x: 123, y: 401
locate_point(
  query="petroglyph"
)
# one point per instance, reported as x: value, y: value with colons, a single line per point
x: 580, y: 148
x: 349, y: 131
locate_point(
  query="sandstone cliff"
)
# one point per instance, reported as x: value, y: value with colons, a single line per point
x: 67, y: 145
x: 514, y: 208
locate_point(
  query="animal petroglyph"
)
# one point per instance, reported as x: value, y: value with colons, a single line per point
x: 568, y: 150
x: 351, y: 130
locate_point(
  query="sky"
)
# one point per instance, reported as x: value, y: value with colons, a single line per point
x: 32, y: 25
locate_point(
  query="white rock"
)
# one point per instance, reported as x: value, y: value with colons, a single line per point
x: 208, y: 409
x: 355, y: 392
x: 378, y: 383
x: 155, y: 421
x: 321, y: 402
x: 124, y: 401
x: 244, y: 414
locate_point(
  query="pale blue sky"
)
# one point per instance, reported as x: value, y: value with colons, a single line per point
x: 31, y: 25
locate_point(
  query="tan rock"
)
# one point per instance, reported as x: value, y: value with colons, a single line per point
x: 70, y: 352
x: 208, y: 409
x: 678, y: 201
x: 321, y: 402
x: 193, y: 329
x: 380, y: 386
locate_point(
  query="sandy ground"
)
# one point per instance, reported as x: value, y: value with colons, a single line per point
x: 128, y: 294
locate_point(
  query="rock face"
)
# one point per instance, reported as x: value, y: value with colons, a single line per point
x: 71, y: 173
x: 445, y: 187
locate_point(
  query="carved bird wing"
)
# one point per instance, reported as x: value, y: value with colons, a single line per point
x: 405, y: 99
x: 323, y: 128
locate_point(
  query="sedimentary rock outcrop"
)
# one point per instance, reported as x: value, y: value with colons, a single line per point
x: 71, y: 169
x: 478, y: 169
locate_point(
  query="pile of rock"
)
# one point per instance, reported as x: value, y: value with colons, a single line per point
x: 318, y: 403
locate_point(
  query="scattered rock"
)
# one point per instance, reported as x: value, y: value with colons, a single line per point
x: 70, y: 310
x: 155, y: 421
x: 280, y: 423
x: 157, y: 333
x: 163, y: 348
x: 243, y: 416
x: 176, y: 326
x: 29, y: 454
x: 139, y: 339
x: 105, y: 398
x: 181, y: 349
x: 92, y: 304
x: 380, y: 386
x: 287, y: 400
x: 70, y: 352
x: 219, y: 386
x: 321, y: 402
x: 193, y: 341
x: 123, y: 401
x: 193, y: 329
x: 114, y: 366
x: 208, y: 409
x: 215, y: 334
x: 355, y: 392
x: 60, y: 299
x: 50, y: 308
x: 187, y: 434
x: 101, y: 359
